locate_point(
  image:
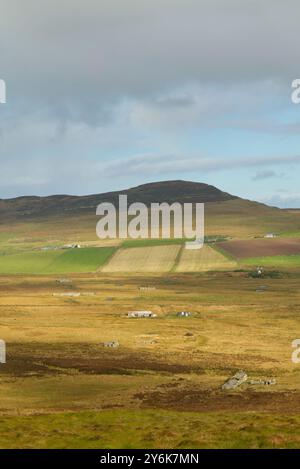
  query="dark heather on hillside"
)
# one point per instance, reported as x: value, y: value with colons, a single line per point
x: 167, y: 191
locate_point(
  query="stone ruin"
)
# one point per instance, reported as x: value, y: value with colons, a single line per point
x: 265, y: 382
x: 141, y: 314
x: 68, y: 294
x: 241, y: 377
x: 63, y: 281
x: 111, y: 344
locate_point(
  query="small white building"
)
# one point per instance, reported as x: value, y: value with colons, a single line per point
x: 71, y: 246
x: 270, y: 235
x: 184, y: 314
x: 111, y: 344
x: 141, y: 314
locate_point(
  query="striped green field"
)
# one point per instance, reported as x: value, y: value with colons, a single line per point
x: 73, y: 260
x: 81, y: 260
x: 202, y: 260
x: 27, y: 262
x: 159, y: 259
x: 139, y: 243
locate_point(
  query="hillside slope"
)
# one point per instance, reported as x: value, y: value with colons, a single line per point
x: 167, y: 191
x: 64, y: 218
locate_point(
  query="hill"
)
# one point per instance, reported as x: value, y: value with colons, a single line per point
x: 167, y: 191
x: 34, y: 222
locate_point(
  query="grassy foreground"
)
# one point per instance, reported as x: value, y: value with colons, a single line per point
x: 60, y: 388
x: 150, y: 429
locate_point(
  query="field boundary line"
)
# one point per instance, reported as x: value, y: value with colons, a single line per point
x: 224, y: 253
x: 177, y: 259
x: 99, y: 269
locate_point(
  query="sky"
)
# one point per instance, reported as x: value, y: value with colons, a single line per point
x: 108, y: 94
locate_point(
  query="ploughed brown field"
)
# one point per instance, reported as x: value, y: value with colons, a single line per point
x: 262, y: 247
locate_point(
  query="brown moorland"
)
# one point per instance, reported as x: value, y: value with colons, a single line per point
x: 261, y: 247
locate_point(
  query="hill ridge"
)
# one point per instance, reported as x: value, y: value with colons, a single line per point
x: 161, y: 191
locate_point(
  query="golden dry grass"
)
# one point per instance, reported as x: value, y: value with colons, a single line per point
x: 202, y: 260
x: 145, y: 259
x: 56, y: 364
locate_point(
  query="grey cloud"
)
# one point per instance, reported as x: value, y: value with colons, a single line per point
x: 165, y: 164
x: 78, y: 57
x: 89, y: 79
x: 267, y: 174
x: 176, y: 101
x: 268, y: 127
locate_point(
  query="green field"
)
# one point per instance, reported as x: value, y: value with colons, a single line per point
x: 81, y: 260
x: 27, y: 262
x: 37, y: 262
x: 132, y: 256
x: 139, y: 243
x: 285, y: 262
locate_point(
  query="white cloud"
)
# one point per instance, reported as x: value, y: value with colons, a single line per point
x: 291, y: 200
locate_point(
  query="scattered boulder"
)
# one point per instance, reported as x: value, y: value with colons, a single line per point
x: 261, y: 289
x: 239, y: 378
x: 149, y: 342
x: 63, y: 281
